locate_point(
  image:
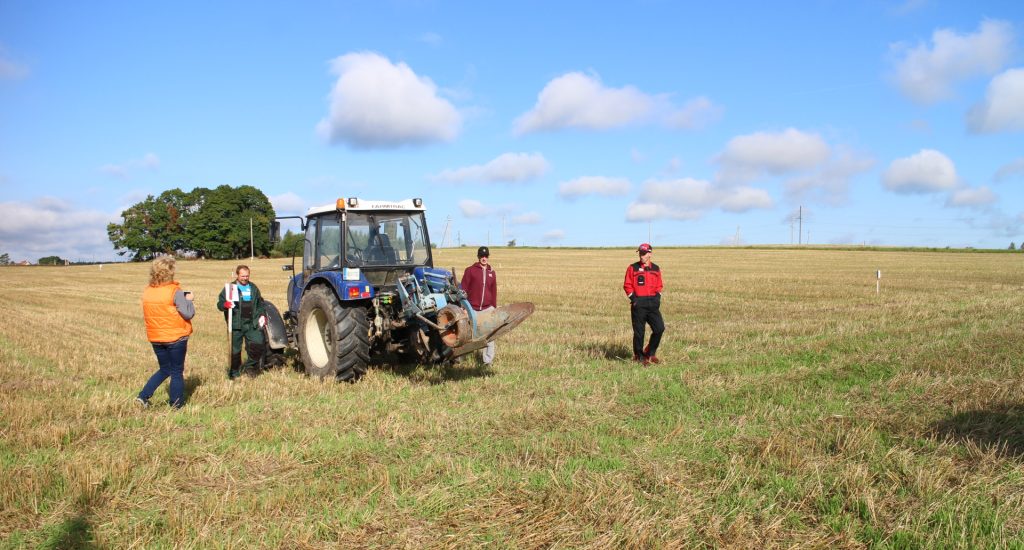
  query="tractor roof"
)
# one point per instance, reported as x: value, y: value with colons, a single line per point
x: 354, y: 204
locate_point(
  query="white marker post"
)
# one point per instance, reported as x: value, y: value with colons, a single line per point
x: 878, y: 281
x: 230, y: 295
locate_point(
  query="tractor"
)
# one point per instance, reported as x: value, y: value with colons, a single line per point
x: 367, y: 287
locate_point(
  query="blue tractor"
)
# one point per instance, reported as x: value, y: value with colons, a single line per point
x: 367, y: 285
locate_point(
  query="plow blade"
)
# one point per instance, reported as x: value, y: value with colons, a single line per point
x: 466, y: 334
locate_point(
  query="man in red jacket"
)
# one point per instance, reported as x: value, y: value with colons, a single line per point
x: 481, y: 286
x: 643, y: 287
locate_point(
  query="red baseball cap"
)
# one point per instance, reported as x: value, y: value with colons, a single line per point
x: 644, y: 248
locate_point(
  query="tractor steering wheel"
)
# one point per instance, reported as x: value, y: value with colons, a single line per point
x: 354, y: 257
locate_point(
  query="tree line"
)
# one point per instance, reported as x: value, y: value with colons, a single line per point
x: 202, y: 223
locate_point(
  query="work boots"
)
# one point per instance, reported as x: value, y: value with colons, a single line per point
x: 235, y: 370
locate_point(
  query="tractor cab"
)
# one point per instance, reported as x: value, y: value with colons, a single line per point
x: 370, y: 235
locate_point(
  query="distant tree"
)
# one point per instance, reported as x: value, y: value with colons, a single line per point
x: 51, y: 260
x: 5, y: 259
x: 512, y: 243
x: 220, y: 227
x: 1014, y: 247
x: 154, y: 226
x: 289, y: 245
x: 211, y: 223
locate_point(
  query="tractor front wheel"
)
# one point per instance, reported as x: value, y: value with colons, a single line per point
x: 333, y: 338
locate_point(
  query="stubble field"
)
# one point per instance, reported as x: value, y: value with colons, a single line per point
x: 793, y: 407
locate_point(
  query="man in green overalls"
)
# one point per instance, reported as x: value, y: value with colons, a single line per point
x: 248, y: 317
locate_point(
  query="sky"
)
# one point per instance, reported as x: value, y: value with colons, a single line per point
x: 570, y: 123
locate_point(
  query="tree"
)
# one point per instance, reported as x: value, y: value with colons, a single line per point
x: 153, y: 226
x: 1014, y: 247
x: 51, y: 260
x: 5, y: 259
x: 220, y: 227
x: 205, y: 222
x: 289, y: 245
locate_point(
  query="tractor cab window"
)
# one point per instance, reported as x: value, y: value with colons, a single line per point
x: 386, y: 239
x: 328, y: 244
x: 308, y: 256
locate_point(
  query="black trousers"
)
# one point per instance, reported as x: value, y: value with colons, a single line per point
x: 646, y: 312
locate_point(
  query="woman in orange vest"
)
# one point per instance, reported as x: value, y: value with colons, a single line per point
x: 168, y: 311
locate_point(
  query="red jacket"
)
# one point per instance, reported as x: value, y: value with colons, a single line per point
x: 481, y: 286
x: 642, y: 281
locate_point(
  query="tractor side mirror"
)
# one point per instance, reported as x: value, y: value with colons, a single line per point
x: 275, y: 231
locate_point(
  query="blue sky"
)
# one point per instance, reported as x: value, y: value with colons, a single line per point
x: 551, y: 123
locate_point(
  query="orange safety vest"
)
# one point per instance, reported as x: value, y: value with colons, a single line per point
x: 163, y: 321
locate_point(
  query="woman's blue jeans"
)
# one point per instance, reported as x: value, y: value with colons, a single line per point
x: 171, y: 358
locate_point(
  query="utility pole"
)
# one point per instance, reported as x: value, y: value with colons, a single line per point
x: 446, y: 237
x: 736, y: 239
x: 801, y: 218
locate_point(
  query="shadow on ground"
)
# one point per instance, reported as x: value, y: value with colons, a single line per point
x: 464, y: 369
x: 74, y: 533
x: 192, y: 383
x: 1000, y: 427
x: 607, y: 351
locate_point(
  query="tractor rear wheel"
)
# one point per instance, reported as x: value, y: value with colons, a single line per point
x: 333, y: 338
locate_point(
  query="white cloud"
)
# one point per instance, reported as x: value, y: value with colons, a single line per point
x: 1003, y: 107
x: 971, y: 197
x: 1011, y: 170
x: 689, y: 199
x: 576, y: 100
x: 9, y: 68
x: 927, y: 74
x: 593, y: 185
x: 288, y: 204
x: 697, y: 113
x: 554, y: 235
x: 648, y: 211
x: 815, y: 170
x: 831, y: 182
x: 528, y: 218
x: 149, y: 161
x: 474, y: 209
x: 507, y: 168
x: 378, y: 104
x: 582, y: 101
x: 53, y: 227
x: 431, y: 38
x: 750, y: 156
x: 920, y: 125
x: 743, y: 198
x: 115, y: 170
x: 927, y: 171
x: 685, y: 192
x: 908, y: 6
x: 673, y: 166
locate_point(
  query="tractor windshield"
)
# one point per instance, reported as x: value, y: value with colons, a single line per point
x: 386, y: 239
